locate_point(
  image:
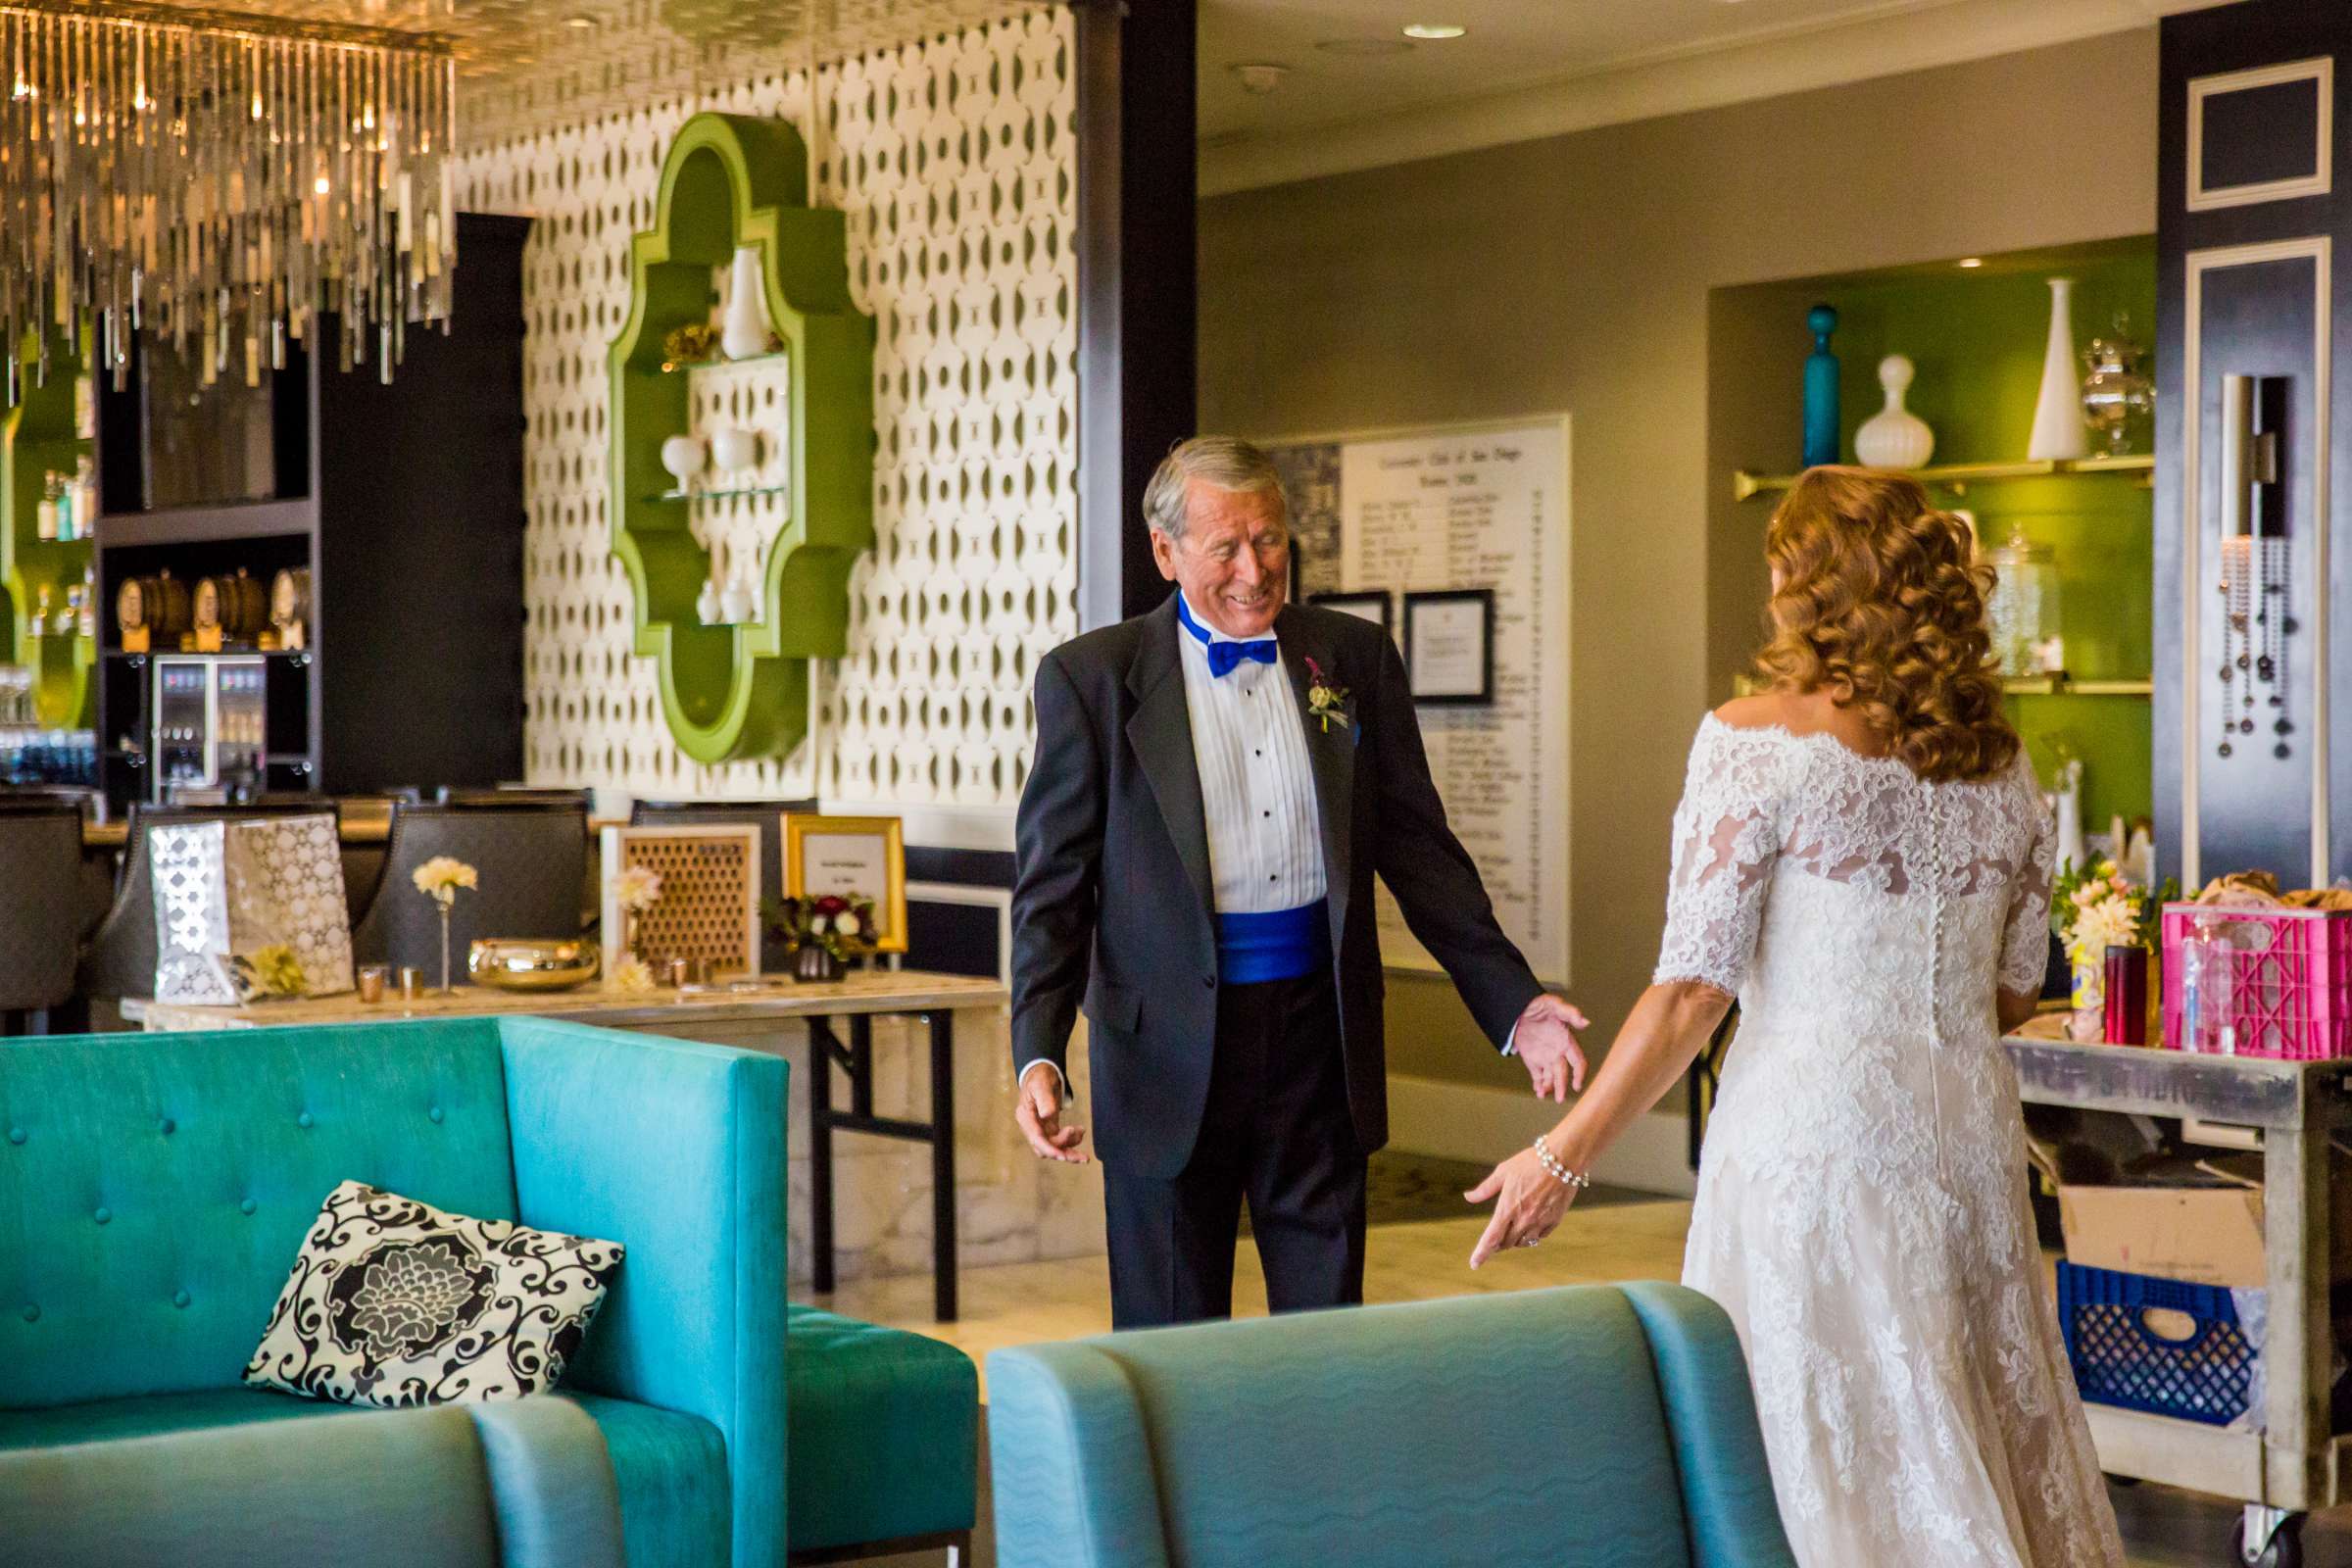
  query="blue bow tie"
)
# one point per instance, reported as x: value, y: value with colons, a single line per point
x: 1224, y: 655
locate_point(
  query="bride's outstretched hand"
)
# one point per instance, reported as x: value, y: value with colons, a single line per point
x: 1529, y: 1201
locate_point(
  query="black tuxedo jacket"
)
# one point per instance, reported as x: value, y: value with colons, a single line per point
x: 1113, y: 900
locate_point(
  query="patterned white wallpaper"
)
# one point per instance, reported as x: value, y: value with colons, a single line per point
x: 956, y: 161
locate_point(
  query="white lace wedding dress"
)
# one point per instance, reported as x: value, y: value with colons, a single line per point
x: 1861, y: 1209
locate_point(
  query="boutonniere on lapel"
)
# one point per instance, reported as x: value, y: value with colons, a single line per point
x: 1326, y: 703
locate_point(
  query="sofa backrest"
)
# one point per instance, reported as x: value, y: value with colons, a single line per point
x: 1521, y: 1428
x: 154, y: 1189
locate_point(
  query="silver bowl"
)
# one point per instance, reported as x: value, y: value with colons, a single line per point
x: 523, y: 963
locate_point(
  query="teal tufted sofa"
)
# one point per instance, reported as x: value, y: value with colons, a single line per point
x: 154, y: 1190
x: 1575, y: 1428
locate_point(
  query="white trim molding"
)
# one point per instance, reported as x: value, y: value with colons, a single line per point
x: 2319, y: 250
x: 1881, y: 41
x: 2320, y: 70
x: 1485, y: 1126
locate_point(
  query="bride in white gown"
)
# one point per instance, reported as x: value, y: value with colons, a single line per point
x: 1862, y: 860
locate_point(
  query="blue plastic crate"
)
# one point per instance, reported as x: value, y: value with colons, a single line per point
x: 2120, y: 1360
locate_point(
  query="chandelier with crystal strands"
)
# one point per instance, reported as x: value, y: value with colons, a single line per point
x: 220, y: 179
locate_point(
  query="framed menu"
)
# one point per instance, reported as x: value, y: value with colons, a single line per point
x: 855, y: 857
x: 1470, y: 525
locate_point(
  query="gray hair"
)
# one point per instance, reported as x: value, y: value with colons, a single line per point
x: 1224, y: 461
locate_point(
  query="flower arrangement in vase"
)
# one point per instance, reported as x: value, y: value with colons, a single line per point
x: 635, y: 890
x: 2096, y: 908
x: 825, y: 932
x: 270, y: 971
x: 440, y: 879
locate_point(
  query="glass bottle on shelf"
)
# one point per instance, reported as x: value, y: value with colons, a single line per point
x: 40, y: 613
x: 2023, y: 612
x: 87, y: 623
x: 45, y: 516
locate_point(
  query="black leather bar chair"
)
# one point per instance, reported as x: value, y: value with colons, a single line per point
x: 40, y: 897
x: 531, y: 857
x: 119, y: 961
x: 766, y: 816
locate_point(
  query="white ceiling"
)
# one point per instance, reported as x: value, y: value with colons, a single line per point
x: 1541, y: 67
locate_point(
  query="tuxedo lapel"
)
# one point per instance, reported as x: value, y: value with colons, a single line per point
x: 1161, y: 732
x: 1332, y: 753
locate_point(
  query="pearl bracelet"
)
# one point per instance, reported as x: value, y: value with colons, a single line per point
x: 1557, y: 1172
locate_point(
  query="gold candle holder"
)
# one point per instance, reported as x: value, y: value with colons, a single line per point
x: 372, y: 980
x: 412, y: 982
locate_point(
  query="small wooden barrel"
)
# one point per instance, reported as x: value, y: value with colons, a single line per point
x: 159, y: 606
x: 237, y: 606
x: 290, y: 598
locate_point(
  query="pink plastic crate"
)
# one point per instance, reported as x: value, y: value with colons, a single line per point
x: 2291, y: 994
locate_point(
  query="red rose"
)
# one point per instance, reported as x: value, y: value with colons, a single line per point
x: 831, y: 904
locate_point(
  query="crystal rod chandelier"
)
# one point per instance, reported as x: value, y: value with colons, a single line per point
x: 220, y: 179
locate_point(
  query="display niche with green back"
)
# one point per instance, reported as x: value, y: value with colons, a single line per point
x: 39, y: 437
x: 1977, y: 337
x: 742, y: 690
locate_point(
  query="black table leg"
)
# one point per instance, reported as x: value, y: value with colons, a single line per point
x: 820, y: 1156
x: 943, y: 1162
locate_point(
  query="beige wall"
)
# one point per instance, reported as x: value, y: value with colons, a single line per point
x: 1573, y: 274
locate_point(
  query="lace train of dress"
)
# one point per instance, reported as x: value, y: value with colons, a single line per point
x: 1861, y: 1209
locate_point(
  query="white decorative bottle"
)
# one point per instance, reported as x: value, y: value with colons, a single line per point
x: 1895, y: 437
x: 2058, y: 428
x: 743, y: 334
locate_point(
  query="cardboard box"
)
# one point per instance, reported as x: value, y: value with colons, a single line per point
x: 2205, y: 1235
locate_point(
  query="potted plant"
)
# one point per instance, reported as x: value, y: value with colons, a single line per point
x: 824, y: 932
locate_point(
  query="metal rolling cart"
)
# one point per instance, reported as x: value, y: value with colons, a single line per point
x: 2296, y: 1463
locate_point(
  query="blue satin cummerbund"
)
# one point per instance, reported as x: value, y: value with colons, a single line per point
x: 1281, y: 945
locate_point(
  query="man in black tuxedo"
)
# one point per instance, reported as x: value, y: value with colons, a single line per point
x: 1215, y: 784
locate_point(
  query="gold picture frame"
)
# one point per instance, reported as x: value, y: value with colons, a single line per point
x: 853, y: 868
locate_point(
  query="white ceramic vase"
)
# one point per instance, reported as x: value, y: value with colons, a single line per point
x: 2058, y: 428
x: 739, y: 605
x: 683, y: 456
x: 743, y: 334
x: 1895, y: 437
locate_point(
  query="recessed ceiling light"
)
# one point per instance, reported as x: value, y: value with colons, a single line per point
x: 1367, y: 47
x: 1434, y: 30
x: 579, y: 21
x: 1971, y: 260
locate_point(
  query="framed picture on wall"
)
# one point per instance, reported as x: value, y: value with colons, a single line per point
x: 1373, y: 604
x: 1450, y: 646
x: 855, y: 857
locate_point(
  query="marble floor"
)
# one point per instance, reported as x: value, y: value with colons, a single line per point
x: 1026, y: 1302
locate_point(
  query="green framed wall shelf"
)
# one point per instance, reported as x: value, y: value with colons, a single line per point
x: 39, y: 437
x: 1977, y: 335
x: 742, y: 691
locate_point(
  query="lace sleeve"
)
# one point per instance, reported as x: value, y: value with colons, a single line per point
x: 1726, y: 838
x: 2026, y: 946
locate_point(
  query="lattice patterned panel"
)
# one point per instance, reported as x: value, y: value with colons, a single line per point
x: 956, y: 161
x: 710, y: 900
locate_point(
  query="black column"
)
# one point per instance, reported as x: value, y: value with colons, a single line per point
x: 1136, y: 289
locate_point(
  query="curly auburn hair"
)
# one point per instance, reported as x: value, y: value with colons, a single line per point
x: 1881, y: 604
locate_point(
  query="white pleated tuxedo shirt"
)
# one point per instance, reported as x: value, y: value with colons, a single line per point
x: 1258, y: 788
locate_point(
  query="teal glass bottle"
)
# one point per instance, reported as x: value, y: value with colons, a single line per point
x: 1821, y: 389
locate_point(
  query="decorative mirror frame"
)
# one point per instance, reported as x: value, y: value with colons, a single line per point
x: 742, y: 691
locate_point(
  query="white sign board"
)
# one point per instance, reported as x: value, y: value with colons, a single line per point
x: 1466, y: 506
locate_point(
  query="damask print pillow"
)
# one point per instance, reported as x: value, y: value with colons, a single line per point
x: 395, y: 1303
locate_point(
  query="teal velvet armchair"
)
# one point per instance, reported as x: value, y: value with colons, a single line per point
x: 154, y: 1191
x: 1591, y: 1426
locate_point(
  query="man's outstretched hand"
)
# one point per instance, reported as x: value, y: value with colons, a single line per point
x: 1037, y: 1106
x: 1545, y: 1039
